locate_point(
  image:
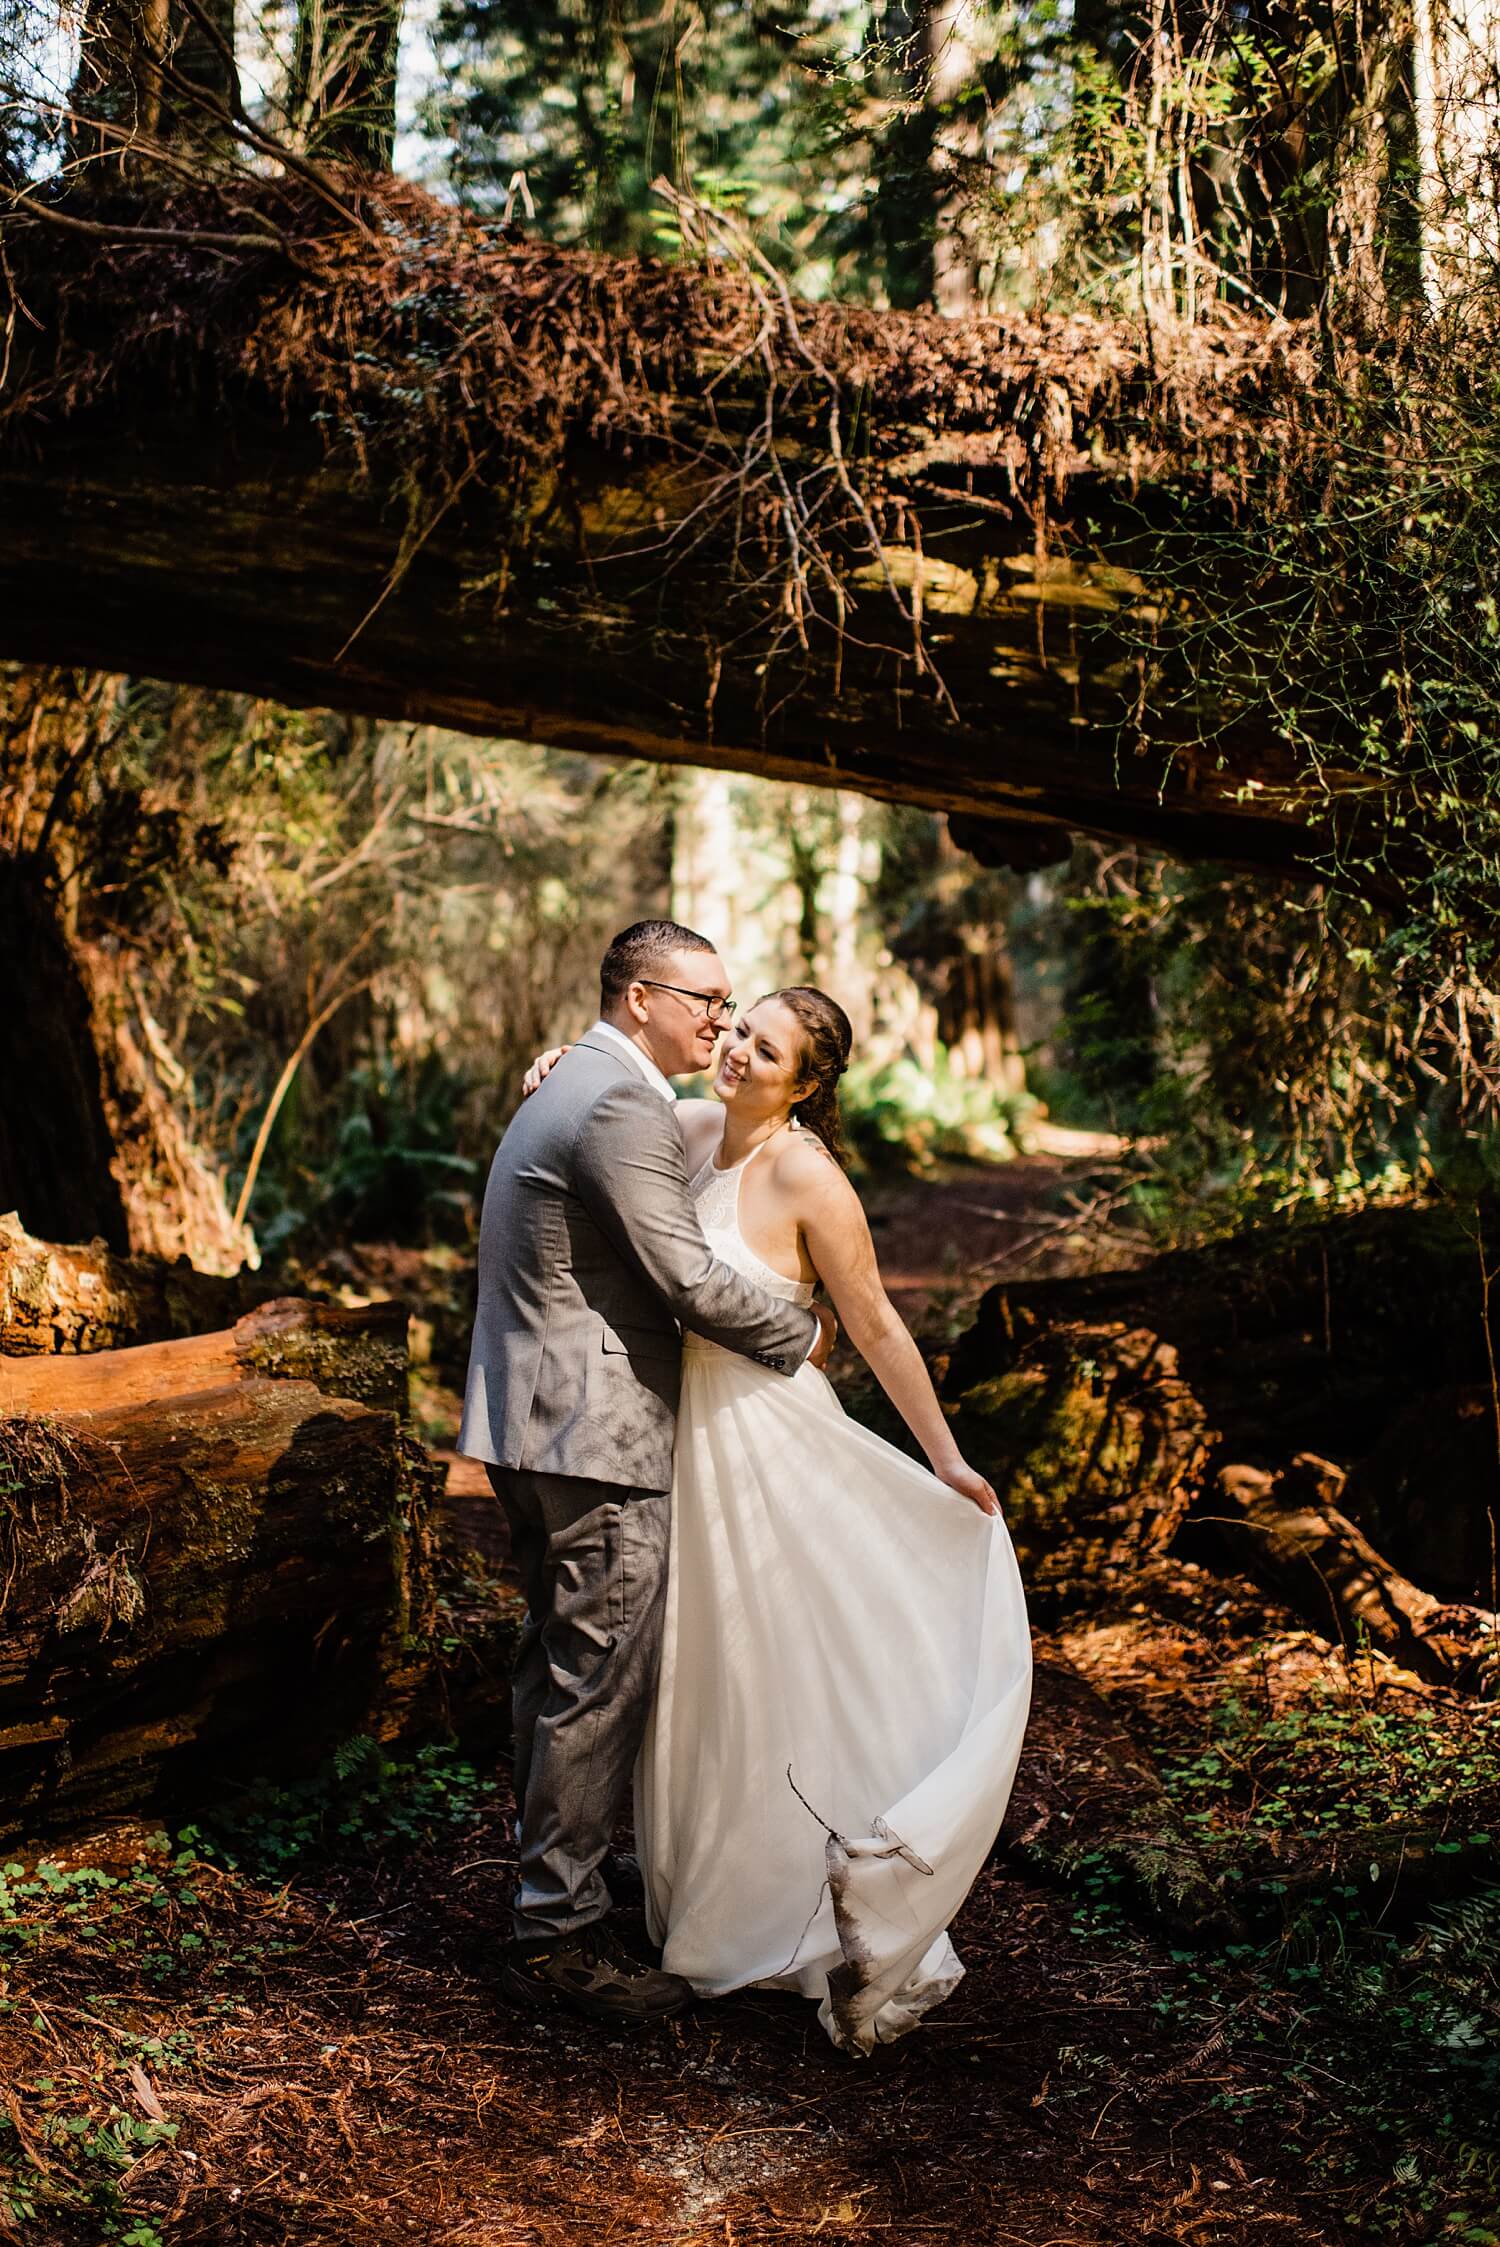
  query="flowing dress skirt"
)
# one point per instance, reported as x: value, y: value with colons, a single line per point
x: 846, y: 1672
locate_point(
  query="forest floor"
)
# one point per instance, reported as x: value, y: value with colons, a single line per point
x: 287, y: 2029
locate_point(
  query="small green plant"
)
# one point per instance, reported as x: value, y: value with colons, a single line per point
x: 1330, y: 1762
x: 363, y: 1802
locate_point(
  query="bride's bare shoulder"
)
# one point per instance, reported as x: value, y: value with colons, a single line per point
x: 806, y: 1172
x: 702, y: 1126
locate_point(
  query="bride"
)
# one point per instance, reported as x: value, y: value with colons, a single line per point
x: 846, y: 1667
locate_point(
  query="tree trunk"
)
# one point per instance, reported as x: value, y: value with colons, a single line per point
x: 56, y: 1150
x: 151, y: 75
x: 358, y: 1354
x: 1114, y: 1415
x: 215, y: 1552
x: 587, y: 545
x: 344, y: 80
x: 173, y: 1197
x: 219, y: 1583
x: 1290, y: 1531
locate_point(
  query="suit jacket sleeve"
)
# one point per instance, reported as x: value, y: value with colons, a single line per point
x: 631, y: 1175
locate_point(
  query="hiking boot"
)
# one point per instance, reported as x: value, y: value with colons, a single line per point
x: 591, y: 1973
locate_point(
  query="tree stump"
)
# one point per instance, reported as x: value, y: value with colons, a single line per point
x: 61, y: 1299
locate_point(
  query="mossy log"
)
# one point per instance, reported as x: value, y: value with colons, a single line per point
x: 1096, y: 1447
x: 61, y: 1298
x: 427, y: 469
x: 1103, y: 1406
x: 1304, y: 1338
x: 357, y: 1353
x: 198, y: 1586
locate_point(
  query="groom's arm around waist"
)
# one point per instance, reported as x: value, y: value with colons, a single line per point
x: 630, y: 1173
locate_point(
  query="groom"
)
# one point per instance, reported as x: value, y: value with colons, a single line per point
x: 590, y: 1259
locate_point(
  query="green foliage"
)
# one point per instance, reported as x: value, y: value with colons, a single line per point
x: 363, y: 1802
x: 70, y: 2137
x: 180, y: 1924
x: 905, y: 1113
x: 1267, y: 1059
x: 1331, y: 1761
x: 393, y: 1173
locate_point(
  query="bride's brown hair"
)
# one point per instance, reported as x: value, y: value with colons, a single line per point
x: 827, y: 1036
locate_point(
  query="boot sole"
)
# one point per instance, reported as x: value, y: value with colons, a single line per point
x: 543, y: 1997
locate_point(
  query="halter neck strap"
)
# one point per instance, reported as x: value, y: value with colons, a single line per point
x: 728, y: 1170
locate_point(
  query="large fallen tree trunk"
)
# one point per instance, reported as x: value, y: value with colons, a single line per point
x: 1104, y: 1407
x: 424, y: 472
x: 360, y: 1354
x: 214, y: 1558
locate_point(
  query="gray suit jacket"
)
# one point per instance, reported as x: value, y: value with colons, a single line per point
x: 590, y: 1253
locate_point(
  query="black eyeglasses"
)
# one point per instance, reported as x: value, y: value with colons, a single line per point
x: 716, y: 1008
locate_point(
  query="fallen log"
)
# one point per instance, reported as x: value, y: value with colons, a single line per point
x: 470, y: 518
x: 61, y: 1299
x: 1303, y: 1338
x: 1288, y: 1530
x: 357, y: 1353
x: 1427, y: 1492
x: 1096, y: 1446
x: 214, y: 1583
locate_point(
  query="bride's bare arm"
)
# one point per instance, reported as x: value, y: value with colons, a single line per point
x: 837, y: 1235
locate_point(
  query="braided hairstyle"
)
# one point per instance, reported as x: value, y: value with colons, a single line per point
x: 826, y: 1040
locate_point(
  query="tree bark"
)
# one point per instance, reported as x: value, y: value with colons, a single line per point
x: 85, y: 1297
x: 344, y: 79
x: 197, y: 1587
x: 56, y: 1148
x: 667, y: 516
x: 359, y: 1354
x: 151, y: 75
x: 1290, y: 1532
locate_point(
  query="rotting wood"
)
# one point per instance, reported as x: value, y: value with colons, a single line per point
x: 1288, y: 1530
x: 228, y: 1581
x: 73, y: 1297
x: 358, y: 1353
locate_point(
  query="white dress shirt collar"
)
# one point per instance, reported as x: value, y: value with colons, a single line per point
x: 643, y: 1061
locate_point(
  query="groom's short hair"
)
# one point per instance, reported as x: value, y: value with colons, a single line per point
x: 640, y: 952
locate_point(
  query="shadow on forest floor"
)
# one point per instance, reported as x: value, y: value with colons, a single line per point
x: 285, y: 2027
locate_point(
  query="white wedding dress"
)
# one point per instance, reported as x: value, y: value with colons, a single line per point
x: 845, y: 1677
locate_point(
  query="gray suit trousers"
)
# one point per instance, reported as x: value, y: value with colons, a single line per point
x: 592, y: 1558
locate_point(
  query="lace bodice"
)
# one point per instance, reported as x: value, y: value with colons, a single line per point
x: 717, y: 1195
